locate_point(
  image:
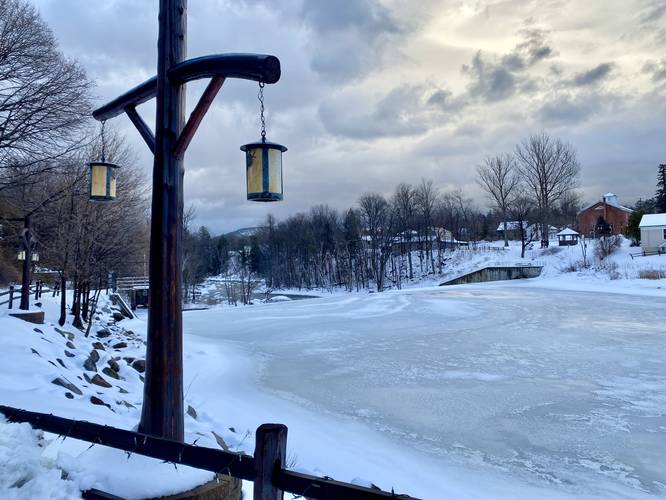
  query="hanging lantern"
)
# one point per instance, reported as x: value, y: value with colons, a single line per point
x: 102, y: 180
x: 34, y: 257
x: 102, y: 176
x: 21, y: 255
x: 263, y: 163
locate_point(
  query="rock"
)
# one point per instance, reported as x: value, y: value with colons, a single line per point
x: 69, y: 354
x: 90, y: 365
x: 35, y: 352
x: 63, y: 382
x: 122, y: 391
x: 94, y: 355
x: 118, y: 316
x: 191, y: 412
x: 87, y: 378
x: 126, y: 404
x: 70, y: 345
x: 38, y: 330
x: 113, y: 364
x: 139, y: 365
x: 220, y: 441
x: 98, y: 345
x: 104, y: 332
x: 99, y: 380
x: 65, y: 334
x: 141, y: 378
x: 109, y: 372
x: 62, y: 363
x: 69, y: 395
x: 120, y: 345
x: 129, y: 361
x: 53, y: 363
x: 96, y: 401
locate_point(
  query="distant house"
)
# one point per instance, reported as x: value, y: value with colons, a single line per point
x: 604, y: 217
x: 512, y: 229
x: 567, y: 237
x: 653, y: 231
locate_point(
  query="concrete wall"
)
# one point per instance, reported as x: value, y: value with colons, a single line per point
x: 651, y: 238
x: 496, y: 274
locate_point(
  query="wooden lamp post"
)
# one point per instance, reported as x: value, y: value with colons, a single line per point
x: 162, y: 412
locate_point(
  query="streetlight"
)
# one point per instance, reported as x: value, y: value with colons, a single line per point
x: 162, y: 411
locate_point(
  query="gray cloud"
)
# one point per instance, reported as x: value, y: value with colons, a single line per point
x: 593, y: 76
x: 499, y: 78
x: 657, y: 70
x: 370, y: 95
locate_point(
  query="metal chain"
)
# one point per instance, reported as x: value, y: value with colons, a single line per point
x: 103, y: 144
x: 263, y: 118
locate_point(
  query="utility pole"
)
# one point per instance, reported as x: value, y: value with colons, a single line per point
x: 27, y: 240
x: 162, y: 412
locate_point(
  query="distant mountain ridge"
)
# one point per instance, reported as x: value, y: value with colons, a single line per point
x: 244, y: 232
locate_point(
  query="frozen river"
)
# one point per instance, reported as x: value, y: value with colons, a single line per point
x: 555, y: 389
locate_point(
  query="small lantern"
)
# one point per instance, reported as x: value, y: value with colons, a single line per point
x: 34, y: 257
x: 21, y: 255
x: 263, y: 161
x: 102, y: 180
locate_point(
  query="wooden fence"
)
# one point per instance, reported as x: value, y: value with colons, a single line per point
x: 647, y: 254
x: 265, y: 468
x: 15, y: 292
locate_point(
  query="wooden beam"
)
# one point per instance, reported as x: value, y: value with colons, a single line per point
x: 162, y: 413
x: 255, y: 67
x: 270, y: 452
x: 197, y: 115
x: 142, y: 127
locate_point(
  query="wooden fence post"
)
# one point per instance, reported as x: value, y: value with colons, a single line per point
x: 270, y: 451
x: 11, y: 296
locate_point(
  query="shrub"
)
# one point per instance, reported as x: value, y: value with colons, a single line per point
x: 606, y: 245
x: 652, y: 274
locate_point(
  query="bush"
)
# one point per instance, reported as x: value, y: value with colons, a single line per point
x: 611, y: 269
x: 652, y: 274
x: 606, y: 245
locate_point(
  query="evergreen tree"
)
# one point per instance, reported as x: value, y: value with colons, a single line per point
x: 660, y: 197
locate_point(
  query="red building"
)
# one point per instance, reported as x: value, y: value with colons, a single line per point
x: 605, y: 216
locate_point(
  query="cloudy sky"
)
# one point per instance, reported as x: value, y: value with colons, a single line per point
x: 377, y: 92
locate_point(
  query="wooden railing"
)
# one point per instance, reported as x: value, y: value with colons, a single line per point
x: 266, y: 468
x: 647, y: 254
x: 15, y: 292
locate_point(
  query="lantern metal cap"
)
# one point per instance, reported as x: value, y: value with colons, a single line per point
x: 103, y: 164
x: 266, y: 145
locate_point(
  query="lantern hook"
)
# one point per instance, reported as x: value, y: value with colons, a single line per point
x: 260, y: 96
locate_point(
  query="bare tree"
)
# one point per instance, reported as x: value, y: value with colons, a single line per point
x: 521, y: 210
x: 426, y: 196
x: 404, y: 203
x: 378, y: 220
x: 498, y: 177
x: 550, y: 169
x: 43, y: 96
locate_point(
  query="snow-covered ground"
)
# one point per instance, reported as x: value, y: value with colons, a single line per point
x: 545, y: 388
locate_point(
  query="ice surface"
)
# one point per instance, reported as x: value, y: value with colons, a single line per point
x: 552, y: 389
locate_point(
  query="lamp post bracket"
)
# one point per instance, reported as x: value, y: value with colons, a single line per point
x: 257, y: 67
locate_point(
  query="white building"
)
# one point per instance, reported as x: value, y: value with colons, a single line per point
x: 653, y: 231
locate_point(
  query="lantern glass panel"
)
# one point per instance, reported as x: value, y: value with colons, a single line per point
x: 98, y: 181
x: 112, y: 183
x: 21, y: 255
x: 275, y: 171
x: 255, y: 180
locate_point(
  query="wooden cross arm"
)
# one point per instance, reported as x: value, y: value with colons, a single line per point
x: 257, y: 67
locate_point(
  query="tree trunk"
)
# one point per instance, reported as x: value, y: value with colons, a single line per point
x: 63, y: 300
